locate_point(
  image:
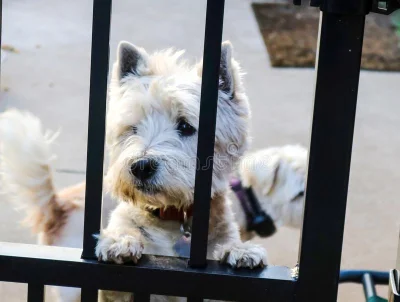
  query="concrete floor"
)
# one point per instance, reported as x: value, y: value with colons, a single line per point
x: 50, y: 77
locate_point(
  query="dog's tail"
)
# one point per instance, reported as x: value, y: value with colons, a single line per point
x: 25, y: 170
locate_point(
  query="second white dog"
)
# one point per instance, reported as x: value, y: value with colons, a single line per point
x: 277, y: 178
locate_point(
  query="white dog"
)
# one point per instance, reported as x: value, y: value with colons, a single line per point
x: 151, y: 138
x: 276, y: 177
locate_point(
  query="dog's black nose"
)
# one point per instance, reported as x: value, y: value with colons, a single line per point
x: 144, y: 169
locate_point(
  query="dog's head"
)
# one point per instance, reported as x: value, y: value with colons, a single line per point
x: 278, y: 177
x: 152, y: 122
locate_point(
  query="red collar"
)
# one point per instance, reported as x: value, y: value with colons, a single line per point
x: 172, y: 213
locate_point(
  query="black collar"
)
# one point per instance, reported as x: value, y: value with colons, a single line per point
x: 257, y: 219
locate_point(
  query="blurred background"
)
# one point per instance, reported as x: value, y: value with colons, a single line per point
x: 46, y: 51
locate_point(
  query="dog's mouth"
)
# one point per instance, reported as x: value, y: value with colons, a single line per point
x: 147, y: 188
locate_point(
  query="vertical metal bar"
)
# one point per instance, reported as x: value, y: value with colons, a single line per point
x: 338, y: 71
x: 96, y: 128
x: 35, y: 292
x: 206, y: 139
x: 140, y: 297
x: 89, y: 295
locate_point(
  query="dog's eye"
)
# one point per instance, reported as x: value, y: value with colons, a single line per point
x: 184, y: 128
x: 134, y: 129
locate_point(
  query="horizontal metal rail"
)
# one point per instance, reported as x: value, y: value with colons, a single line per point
x: 21, y: 262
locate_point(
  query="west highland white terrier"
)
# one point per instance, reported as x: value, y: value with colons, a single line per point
x: 152, y: 120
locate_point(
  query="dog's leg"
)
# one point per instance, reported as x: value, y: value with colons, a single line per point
x: 241, y: 254
x: 121, y: 241
x: 225, y: 243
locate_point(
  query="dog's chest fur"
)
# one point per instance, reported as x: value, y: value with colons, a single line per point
x: 158, y: 236
x: 161, y: 237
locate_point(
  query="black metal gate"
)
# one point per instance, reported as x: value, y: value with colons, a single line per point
x: 338, y: 69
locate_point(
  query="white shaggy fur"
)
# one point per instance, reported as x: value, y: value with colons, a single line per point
x: 277, y: 176
x: 26, y: 161
x: 26, y: 178
x: 153, y: 98
x: 240, y: 255
x: 150, y: 97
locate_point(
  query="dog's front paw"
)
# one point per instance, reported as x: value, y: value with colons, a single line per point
x: 119, y: 249
x: 244, y: 254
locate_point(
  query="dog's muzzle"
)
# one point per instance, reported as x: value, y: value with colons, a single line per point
x: 144, y: 169
x: 262, y: 224
x: 257, y: 219
x: 143, y: 172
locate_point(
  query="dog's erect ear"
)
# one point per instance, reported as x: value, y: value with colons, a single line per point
x: 226, y: 73
x: 227, y: 70
x: 131, y: 60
